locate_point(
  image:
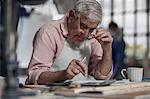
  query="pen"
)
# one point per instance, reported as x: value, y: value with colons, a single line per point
x: 83, y: 60
x: 86, y: 72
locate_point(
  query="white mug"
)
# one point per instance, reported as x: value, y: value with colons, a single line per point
x: 135, y: 74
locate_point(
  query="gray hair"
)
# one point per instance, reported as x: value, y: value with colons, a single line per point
x: 91, y: 8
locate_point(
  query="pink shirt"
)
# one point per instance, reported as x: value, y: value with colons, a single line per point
x: 47, y: 45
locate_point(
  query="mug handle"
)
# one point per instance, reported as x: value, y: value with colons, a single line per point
x: 122, y: 73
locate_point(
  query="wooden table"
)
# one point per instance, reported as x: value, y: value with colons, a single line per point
x: 126, y: 91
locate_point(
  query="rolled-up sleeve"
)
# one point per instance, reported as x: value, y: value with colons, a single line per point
x: 44, y: 49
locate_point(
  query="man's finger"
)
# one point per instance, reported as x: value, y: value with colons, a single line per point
x: 81, y: 70
x: 82, y: 66
x: 76, y: 71
x: 70, y: 74
x: 106, y: 39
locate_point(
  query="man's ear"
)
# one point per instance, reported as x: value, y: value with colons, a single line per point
x: 72, y: 13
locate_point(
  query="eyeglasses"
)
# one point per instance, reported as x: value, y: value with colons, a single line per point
x: 91, y: 31
x: 85, y: 27
x: 91, y: 36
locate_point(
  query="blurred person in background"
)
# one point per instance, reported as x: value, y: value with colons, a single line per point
x: 72, y: 47
x: 118, y: 50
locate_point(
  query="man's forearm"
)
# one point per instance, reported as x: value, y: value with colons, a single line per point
x: 105, y: 64
x: 48, y: 76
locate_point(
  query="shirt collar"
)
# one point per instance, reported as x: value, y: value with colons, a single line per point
x: 63, y: 26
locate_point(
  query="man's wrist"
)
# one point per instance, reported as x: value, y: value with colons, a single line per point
x: 107, y: 46
x: 66, y: 76
x: 107, y: 49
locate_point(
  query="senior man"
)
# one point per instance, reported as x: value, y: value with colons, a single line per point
x: 72, y: 47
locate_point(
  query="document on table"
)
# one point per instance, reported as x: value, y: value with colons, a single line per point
x: 94, y: 83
